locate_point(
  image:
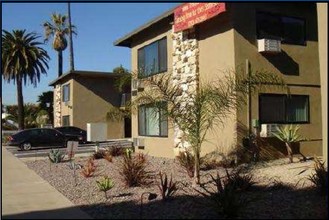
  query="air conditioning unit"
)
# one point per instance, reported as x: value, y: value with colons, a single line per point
x: 138, y: 142
x: 267, y: 130
x: 137, y: 84
x: 269, y: 46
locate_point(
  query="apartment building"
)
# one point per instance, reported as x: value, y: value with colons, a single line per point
x: 200, y: 41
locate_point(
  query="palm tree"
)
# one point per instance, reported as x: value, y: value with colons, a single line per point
x: 22, y: 60
x: 200, y: 112
x: 70, y: 39
x: 59, y: 29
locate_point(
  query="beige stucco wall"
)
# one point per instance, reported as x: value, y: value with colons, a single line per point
x: 322, y: 9
x: 155, y: 146
x: 216, y: 57
x: 299, y: 63
x: 92, y: 100
x: 66, y: 108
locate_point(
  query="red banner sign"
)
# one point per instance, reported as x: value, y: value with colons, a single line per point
x: 189, y: 14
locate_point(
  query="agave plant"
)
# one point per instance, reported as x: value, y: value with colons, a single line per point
x: 56, y: 156
x: 288, y: 134
x: 105, y: 184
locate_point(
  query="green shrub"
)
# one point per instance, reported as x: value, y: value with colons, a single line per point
x: 167, y: 189
x: 225, y: 198
x: 105, y: 184
x: 320, y: 177
x: 133, y: 170
x: 56, y: 156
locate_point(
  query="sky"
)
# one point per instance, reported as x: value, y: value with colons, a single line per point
x: 98, y: 26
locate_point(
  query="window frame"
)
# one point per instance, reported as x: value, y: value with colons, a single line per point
x: 68, y: 117
x: 285, y: 108
x: 142, y: 51
x: 68, y: 95
x: 159, y: 123
x: 282, y: 33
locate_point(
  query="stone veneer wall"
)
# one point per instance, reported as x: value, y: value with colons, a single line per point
x: 185, y: 73
x: 57, y: 106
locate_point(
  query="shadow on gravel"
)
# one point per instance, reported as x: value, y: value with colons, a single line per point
x: 274, y: 202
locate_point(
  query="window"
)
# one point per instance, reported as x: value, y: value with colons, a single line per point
x: 152, y: 121
x: 66, y: 93
x: 289, y: 30
x: 152, y: 59
x: 283, y: 109
x: 66, y: 120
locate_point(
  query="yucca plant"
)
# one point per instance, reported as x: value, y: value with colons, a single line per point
x: 105, y: 184
x: 56, y: 156
x: 288, y: 134
x: 167, y: 188
x: 238, y: 181
x: 186, y: 160
x: 320, y: 177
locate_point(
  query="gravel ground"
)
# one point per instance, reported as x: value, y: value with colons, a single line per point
x: 296, y: 199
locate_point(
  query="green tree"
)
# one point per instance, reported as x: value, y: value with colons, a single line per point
x: 200, y: 112
x: 58, y: 29
x: 22, y: 60
x: 46, y: 100
x: 122, y: 83
x: 31, y: 112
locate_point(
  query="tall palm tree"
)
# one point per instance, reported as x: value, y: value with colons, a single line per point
x: 70, y: 39
x: 59, y: 29
x: 22, y: 60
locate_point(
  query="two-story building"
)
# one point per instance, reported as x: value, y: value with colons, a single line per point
x: 281, y: 38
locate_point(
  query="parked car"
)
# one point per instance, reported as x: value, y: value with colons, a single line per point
x: 37, y: 137
x: 73, y: 133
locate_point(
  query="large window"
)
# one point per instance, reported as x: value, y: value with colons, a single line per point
x: 152, y: 121
x: 289, y: 30
x: 66, y: 120
x: 274, y: 108
x: 66, y: 92
x: 152, y: 59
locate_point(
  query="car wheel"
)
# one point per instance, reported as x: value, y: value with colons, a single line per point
x: 26, y: 146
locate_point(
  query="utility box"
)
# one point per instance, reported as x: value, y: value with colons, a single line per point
x: 96, y: 131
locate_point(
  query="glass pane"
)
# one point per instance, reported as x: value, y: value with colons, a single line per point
x: 293, y: 29
x: 152, y: 121
x: 268, y: 26
x: 297, y: 109
x: 163, y: 54
x: 141, y: 120
x: 141, y: 62
x: 272, y: 109
x: 151, y: 59
x: 164, y: 124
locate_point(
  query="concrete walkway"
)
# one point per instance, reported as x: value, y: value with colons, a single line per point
x: 25, y: 195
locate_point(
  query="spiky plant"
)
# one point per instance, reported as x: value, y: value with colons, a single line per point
x: 167, y: 188
x: 56, y: 156
x: 105, y: 184
x: 320, y: 177
x: 288, y: 134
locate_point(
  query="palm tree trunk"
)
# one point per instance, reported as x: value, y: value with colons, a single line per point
x: 289, y: 150
x: 20, y: 103
x: 70, y: 40
x: 60, y: 63
x: 197, y: 167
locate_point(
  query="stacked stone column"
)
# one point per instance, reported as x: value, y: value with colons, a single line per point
x: 185, y: 73
x: 57, y: 106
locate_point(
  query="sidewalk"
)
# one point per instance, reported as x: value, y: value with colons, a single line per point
x: 25, y: 195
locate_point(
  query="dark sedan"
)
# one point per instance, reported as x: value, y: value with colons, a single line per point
x: 73, y: 133
x: 37, y: 137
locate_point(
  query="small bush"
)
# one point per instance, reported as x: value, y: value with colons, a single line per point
x: 225, y: 198
x: 115, y: 151
x: 56, y: 156
x: 105, y: 184
x: 167, y: 189
x: 89, y: 169
x: 210, y: 164
x: 133, y: 170
x: 186, y: 160
x: 238, y: 181
x: 320, y: 177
